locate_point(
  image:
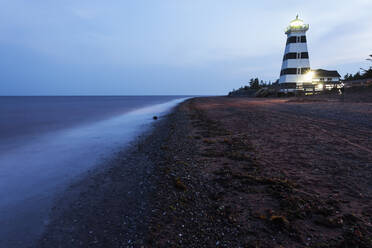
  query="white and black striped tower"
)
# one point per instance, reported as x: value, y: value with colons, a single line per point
x: 296, y: 65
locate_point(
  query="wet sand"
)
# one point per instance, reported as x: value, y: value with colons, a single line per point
x: 109, y: 206
x: 35, y: 171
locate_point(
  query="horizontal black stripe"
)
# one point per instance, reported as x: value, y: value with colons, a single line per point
x: 288, y: 71
x: 293, y: 71
x: 296, y: 39
x: 305, y: 70
x: 290, y: 56
x: 288, y: 85
x: 304, y: 55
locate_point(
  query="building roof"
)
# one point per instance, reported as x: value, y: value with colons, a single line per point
x: 320, y: 73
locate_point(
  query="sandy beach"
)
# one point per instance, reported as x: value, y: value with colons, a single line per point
x: 233, y: 172
x: 267, y: 173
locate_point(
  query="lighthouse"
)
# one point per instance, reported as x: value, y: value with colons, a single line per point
x: 295, y: 73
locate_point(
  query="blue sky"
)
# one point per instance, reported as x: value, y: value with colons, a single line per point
x: 140, y: 47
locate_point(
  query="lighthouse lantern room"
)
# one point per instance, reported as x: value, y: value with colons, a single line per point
x: 295, y: 73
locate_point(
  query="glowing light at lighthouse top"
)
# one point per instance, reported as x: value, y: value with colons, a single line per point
x: 297, y: 25
x: 297, y: 22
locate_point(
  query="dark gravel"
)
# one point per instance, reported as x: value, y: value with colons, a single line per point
x: 110, y: 206
x: 240, y: 172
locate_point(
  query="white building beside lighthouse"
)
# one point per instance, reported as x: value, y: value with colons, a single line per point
x: 295, y: 72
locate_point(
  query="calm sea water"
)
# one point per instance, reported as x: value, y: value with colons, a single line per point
x: 47, y: 142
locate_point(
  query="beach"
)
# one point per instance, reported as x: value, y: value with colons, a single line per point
x: 50, y: 143
x: 234, y: 172
x: 267, y: 172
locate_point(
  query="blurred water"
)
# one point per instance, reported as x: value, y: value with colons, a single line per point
x: 26, y: 117
x: 32, y: 172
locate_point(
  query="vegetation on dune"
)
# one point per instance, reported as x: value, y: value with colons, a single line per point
x: 365, y: 74
x: 359, y: 76
x: 252, y: 87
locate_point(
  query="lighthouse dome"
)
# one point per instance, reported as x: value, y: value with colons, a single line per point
x: 297, y: 25
x: 296, y: 22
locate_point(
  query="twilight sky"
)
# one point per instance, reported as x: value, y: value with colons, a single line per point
x: 142, y: 47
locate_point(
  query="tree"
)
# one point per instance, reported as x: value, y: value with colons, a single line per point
x: 348, y: 77
x: 368, y: 73
x: 370, y: 59
x: 357, y: 76
x: 256, y: 84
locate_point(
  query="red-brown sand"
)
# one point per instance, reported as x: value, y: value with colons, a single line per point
x: 241, y: 172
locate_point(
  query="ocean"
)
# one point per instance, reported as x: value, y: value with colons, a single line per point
x: 47, y: 142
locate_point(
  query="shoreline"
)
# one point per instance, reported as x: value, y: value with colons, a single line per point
x: 109, y: 204
x: 230, y: 172
x: 36, y: 173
